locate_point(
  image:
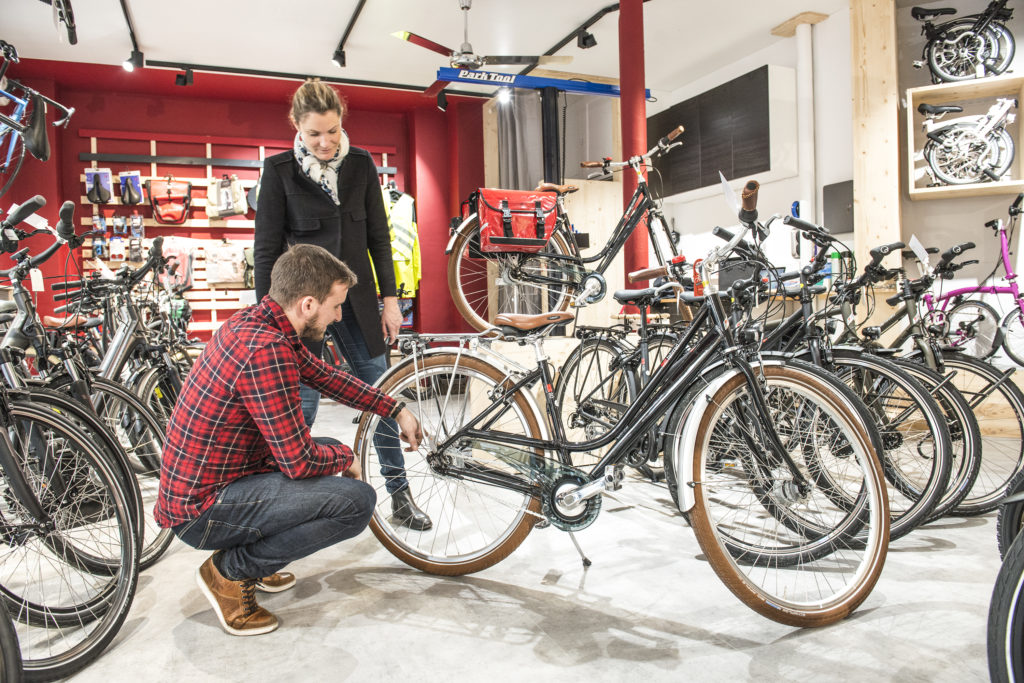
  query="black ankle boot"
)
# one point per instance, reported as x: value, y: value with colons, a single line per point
x: 406, y: 513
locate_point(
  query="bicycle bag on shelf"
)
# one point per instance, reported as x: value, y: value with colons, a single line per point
x: 515, y: 220
x: 171, y: 199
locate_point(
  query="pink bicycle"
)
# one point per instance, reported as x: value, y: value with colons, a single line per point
x: 973, y: 326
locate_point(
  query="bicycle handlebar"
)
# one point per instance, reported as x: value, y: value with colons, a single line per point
x: 663, y: 145
x: 57, y: 286
x: 749, y: 195
x: 878, y: 253
x: 953, y: 252
x: 647, y: 273
x: 66, y: 225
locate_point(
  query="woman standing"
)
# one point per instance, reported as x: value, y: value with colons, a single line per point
x: 327, y: 193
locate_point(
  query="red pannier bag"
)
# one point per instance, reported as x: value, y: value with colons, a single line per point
x: 515, y: 220
x: 171, y: 199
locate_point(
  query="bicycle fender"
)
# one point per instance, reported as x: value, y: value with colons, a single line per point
x: 684, y: 460
x: 457, y: 232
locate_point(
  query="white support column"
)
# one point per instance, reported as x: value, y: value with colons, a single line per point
x: 805, y: 122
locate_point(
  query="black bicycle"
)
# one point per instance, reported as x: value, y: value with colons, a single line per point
x: 967, y: 47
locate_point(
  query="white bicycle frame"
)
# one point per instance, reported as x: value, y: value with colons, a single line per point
x: 985, y: 123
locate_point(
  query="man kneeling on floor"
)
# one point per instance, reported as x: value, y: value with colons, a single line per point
x: 241, y: 474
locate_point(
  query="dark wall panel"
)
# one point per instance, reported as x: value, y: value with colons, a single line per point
x: 726, y: 130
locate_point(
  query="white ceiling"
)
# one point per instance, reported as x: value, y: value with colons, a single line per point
x: 684, y: 39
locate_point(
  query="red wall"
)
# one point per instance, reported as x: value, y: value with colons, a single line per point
x: 109, y: 98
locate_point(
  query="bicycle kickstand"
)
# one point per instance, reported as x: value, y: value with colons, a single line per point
x: 586, y: 560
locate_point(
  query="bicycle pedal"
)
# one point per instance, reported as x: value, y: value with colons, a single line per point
x: 919, y: 64
x: 542, y: 524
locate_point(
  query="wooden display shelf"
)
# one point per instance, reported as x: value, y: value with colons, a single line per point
x: 975, y: 96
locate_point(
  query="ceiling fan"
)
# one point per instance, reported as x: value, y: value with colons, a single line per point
x: 465, y: 58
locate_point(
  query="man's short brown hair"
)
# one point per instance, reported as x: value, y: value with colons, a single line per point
x: 307, y: 270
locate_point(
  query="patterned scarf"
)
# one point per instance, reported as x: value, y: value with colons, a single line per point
x: 315, y: 168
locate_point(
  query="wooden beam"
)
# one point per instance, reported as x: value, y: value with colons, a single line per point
x: 876, y: 131
x: 787, y: 29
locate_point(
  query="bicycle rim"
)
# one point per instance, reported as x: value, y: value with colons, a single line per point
x: 486, y: 285
x: 12, y: 155
x: 802, y: 579
x: 958, y: 56
x: 474, y: 525
x: 1006, y: 618
x: 962, y: 157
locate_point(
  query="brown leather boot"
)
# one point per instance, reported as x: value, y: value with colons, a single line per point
x: 234, y: 602
x: 276, y: 582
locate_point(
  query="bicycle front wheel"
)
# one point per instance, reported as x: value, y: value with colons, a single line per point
x: 486, y: 285
x: 972, y: 327
x: 1013, y: 335
x: 998, y: 405
x: 474, y: 524
x: 963, y: 54
x: 65, y: 613
x: 808, y: 574
x: 961, y: 156
x: 1006, y: 618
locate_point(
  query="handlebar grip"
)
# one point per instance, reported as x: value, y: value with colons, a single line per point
x: 25, y: 210
x: 1016, y: 202
x: 878, y: 253
x: 66, y: 285
x: 647, y: 273
x: 591, y: 164
x: 62, y: 309
x: 722, y: 233
x: 953, y: 252
x: 156, y: 250
x: 676, y: 132
x: 895, y: 299
x: 66, y: 224
x: 972, y: 262
x: 748, y: 198
x: 67, y: 295
x: 788, y: 275
x: 801, y: 224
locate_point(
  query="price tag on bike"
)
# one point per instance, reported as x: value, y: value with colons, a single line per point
x: 36, y: 276
x: 920, y: 252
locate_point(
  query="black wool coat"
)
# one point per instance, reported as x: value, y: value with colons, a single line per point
x: 292, y: 209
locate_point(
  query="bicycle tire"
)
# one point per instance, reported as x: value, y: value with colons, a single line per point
x: 973, y: 328
x: 157, y: 393
x: 964, y: 435
x: 460, y: 509
x: 718, y: 529
x: 1010, y: 519
x: 474, y: 277
x: 999, y: 409
x: 54, y: 644
x: 916, y: 453
x: 11, y: 668
x: 1005, y: 635
x: 12, y: 156
x: 1013, y: 335
x: 594, y: 388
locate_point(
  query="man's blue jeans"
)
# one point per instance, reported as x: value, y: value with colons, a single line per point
x: 265, y: 521
x: 385, y: 439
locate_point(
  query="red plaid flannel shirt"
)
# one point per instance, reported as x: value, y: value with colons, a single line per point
x: 239, y: 413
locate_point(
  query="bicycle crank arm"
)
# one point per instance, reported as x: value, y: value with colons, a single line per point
x: 611, y: 481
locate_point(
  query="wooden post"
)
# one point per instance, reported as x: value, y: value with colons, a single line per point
x: 876, y: 160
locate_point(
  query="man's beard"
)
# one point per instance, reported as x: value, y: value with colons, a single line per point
x: 313, y: 333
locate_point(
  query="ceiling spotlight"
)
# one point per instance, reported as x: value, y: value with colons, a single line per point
x: 585, y: 40
x: 442, y: 100
x: 339, y: 57
x: 183, y: 79
x: 133, y: 62
x: 504, y: 95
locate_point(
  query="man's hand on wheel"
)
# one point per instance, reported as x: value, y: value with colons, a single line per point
x: 354, y: 471
x: 409, y: 429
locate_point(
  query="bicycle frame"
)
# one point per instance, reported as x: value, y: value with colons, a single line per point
x: 682, y: 367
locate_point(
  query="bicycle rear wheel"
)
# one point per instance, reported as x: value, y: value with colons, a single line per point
x: 972, y: 327
x: 1010, y: 520
x: 11, y: 668
x: 485, y: 285
x: 812, y: 578
x: 475, y: 524
x: 594, y: 388
x: 65, y: 614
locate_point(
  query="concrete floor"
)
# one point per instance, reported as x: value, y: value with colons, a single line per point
x: 650, y: 608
